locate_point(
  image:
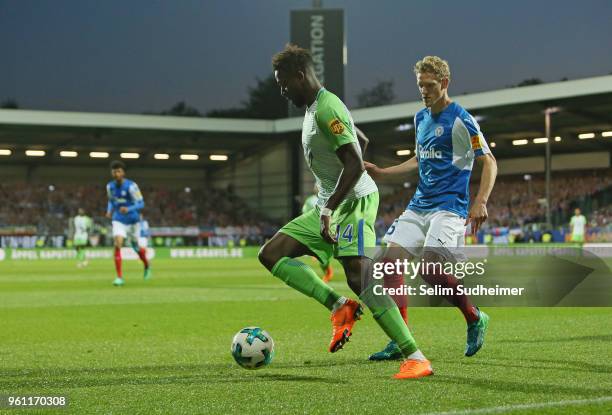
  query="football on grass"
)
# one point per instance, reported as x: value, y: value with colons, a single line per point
x: 252, y: 348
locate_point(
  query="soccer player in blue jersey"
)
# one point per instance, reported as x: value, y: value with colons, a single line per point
x: 448, y: 140
x: 124, y: 205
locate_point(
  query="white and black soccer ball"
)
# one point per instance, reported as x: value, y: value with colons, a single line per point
x: 252, y: 348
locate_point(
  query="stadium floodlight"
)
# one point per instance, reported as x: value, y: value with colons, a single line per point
x: 129, y: 155
x: 189, y: 157
x: 5, y: 152
x: 520, y: 142
x: 161, y: 156
x: 35, y: 153
x: 557, y: 139
x: 606, y: 134
x: 403, y: 152
x: 492, y: 144
x: 218, y: 157
x: 98, y: 155
x: 540, y: 140
x: 404, y: 127
x: 585, y: 136
x: 68, y: 153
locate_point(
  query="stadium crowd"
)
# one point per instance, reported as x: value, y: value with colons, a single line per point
x: 49, y: 207
x: 516, y: 202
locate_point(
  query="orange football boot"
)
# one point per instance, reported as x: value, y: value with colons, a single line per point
x: 412, y: 369
x: 343, y: 320
x: 329, y: 274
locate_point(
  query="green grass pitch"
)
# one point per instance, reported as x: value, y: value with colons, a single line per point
x: 162, y: 346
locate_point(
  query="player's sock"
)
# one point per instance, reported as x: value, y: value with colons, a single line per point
x: 437, y: 277
x: 339, y: 303
x: 142, y: 254
x: 397, y: 281
x: 118, y: 262
x: 388, y: 317
x: 300, y: 276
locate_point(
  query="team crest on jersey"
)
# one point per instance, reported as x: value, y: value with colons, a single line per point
x: 476, y: 143
x: 439, y: 131
x: 336, y: 126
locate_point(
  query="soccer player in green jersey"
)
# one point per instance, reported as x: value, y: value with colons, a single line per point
x: 347, y: 203
x: 82, y: 225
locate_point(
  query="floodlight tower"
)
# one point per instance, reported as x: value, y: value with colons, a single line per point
x: 547, y: 124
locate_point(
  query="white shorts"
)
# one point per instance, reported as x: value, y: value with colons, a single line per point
x: 440, y: 230
x: 130, y: 232
x: 143, y: 242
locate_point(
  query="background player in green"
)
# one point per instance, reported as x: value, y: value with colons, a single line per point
x: 82, y: 226
x: 347, y: 201
x: 309, y: 204
x: 578, y: 225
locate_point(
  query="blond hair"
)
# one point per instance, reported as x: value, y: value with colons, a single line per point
x: 434, y: 65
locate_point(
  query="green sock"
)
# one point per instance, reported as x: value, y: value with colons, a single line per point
x: 388, y: 317
x: 300, y: 276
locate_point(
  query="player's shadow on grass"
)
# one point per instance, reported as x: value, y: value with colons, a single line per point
x: 322, y: 363
x: 16, y: 379
x: 496, y: 385
x: 599, y: 337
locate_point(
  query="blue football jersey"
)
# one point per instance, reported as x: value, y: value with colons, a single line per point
x: 446, y: 145
x: 127, y: 194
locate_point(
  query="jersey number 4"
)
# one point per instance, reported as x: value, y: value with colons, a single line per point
x: 347, y: 235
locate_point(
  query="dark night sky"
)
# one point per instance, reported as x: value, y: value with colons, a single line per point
x: 137, y: 55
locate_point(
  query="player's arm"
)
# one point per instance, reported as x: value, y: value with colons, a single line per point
x: 353, y: 168
x: 71, y: 227
x: 110, y: 206
x: 363, y: 140
x: 478, y: 211
x: 407, y: 167
x: 137, y: 198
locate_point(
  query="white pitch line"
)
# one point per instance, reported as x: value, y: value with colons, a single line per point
x: 505, y: 408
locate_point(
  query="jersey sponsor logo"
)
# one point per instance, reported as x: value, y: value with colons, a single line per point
x: 476, y: 143
x: 336, y: 126
x: 430, y: 153
x: 439, y: 131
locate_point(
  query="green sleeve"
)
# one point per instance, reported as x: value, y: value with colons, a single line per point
x: 335, y: 124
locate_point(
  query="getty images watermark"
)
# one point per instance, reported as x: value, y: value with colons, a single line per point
x: 520, y: 275
x: 411, y: 270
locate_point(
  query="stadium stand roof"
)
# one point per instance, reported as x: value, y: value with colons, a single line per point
x: 505, y: 115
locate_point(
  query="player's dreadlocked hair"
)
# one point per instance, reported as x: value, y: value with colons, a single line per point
x: 434, y: 65
x: 292, y: 59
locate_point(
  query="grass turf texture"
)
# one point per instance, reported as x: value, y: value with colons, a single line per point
x: 162, y: 346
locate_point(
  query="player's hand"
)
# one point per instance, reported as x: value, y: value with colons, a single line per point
x: 123, y: 209
x: 477, y: 216
x: 325, y: 222
x: 108, y: 215
x: 373, y: 170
